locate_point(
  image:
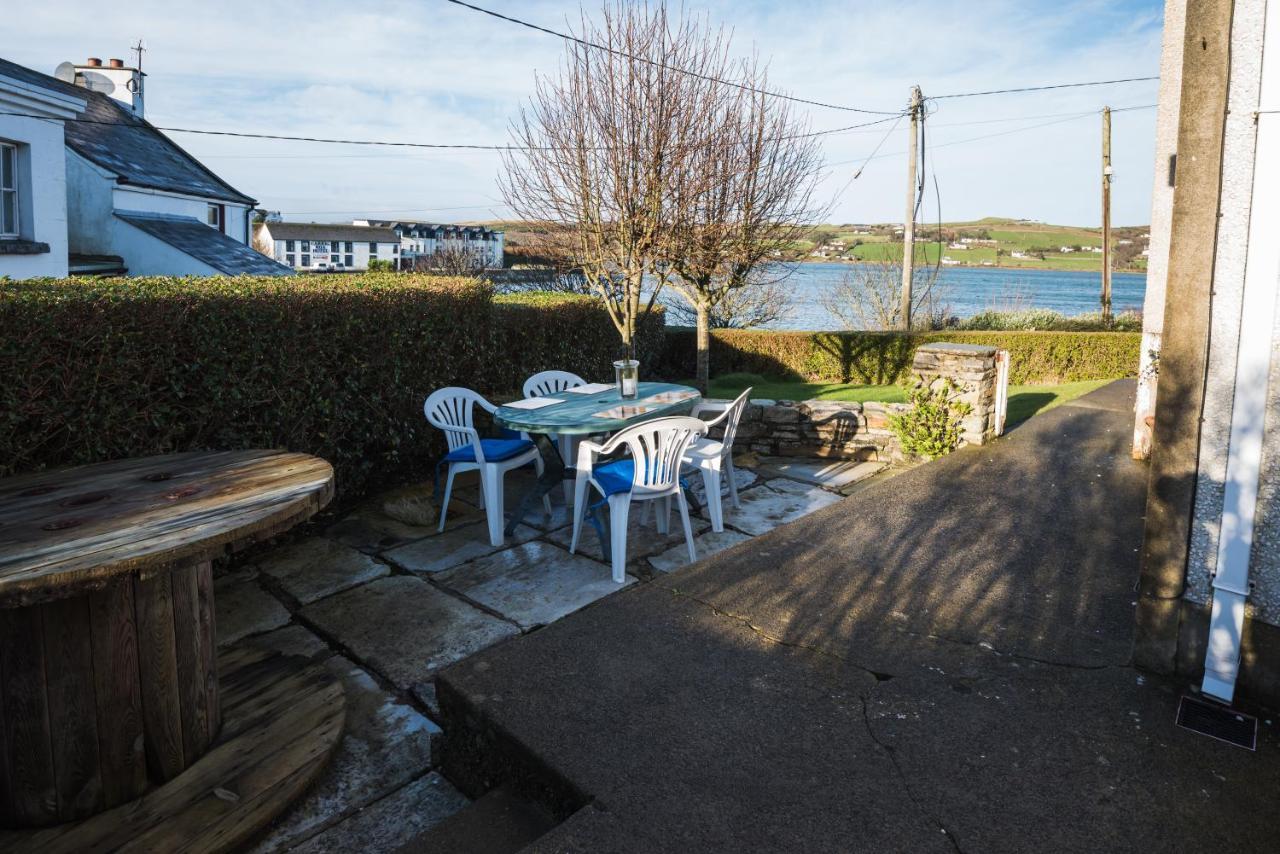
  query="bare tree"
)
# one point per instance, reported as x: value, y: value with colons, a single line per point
x: 599, y: 143
x: 740, y: 308
x: 742, y: 196
x: 869, y: 297
x: 453, y: 259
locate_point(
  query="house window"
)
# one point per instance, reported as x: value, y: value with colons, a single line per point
x: 306, y: 259
x: 8, y: 190
x: 288, y: 246
x: 395, y: 249
x: 333, y: 259
x: 373, y: 248
x: 288, y: 259
x: 350, y: 259
x: 306, y: 247
x: 213, y: 216
x: 349, y: 248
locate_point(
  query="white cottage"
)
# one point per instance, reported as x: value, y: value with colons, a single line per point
x: 421, y: 240
x: 134, y: 201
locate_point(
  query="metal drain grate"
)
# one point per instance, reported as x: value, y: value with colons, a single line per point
x: 1218, y: 721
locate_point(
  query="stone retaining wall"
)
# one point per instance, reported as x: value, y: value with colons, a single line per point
x: 819, y: 428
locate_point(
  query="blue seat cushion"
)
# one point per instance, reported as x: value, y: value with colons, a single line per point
x: 495, y: 451
x: 615, y: 476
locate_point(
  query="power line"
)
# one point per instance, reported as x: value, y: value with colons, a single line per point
x: 1040, y: 88
x: 1069, y: 118
x: 286, y: 138
x: 743, y: 86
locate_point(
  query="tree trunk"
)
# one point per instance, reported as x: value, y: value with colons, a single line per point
x: 704, y: 347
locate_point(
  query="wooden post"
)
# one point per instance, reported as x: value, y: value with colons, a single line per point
x: 1106, y: 216
x: 1175, y: 450
x: 909, y: 223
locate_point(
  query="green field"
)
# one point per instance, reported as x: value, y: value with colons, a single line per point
x: 1010, y: 236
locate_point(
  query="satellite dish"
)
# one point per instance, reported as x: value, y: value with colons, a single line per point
x: 66, y: 72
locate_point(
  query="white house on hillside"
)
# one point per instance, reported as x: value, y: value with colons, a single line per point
x: 33, y: 176
x: 311, y: 246
x: 134, y: 201
x: 424, y: 239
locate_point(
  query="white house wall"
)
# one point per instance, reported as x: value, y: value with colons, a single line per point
x: 1239, y: 152
x: 42, y: 181
x: 88, y: 194
x: 129, y: 198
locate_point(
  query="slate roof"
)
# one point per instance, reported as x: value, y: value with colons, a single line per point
x: 114, y: 138
x: 190, y: 235
x: 329, y: 231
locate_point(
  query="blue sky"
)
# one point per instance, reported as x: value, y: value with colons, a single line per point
x: 428, y: 71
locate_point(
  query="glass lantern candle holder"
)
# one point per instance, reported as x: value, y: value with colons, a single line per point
x: 627, y: 372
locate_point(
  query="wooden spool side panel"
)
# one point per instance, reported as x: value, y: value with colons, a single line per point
x: 157, y: 657
x: 72, y: 712
x: 192, y: 679
x: 207, y: 629
x: 32, y: 793
x: 118, y: 692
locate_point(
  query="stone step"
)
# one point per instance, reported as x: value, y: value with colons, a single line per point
x: 500, y: 822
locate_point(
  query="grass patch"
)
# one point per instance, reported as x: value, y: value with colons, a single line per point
x: 1024, y: 400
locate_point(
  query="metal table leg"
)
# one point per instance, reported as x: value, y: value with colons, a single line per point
x: 554, y: 472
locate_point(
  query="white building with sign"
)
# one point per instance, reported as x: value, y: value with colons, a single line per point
x: 326, y: 248
x: 420, y: 240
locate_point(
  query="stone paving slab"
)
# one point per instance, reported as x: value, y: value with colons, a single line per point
x: 643, y: 538
x: 391, y: 822
x: 775, y: 503
x: 444, y: 551
x: 319, y: 567
x: 404, y: 628
x: 243, y: 608
x: 706, y: 544
x: 371, y: 530
x: 829, y: 474
x: 745, y: 478
x: 533, y: 584
x: 292, y: 640
x: 385, y: 744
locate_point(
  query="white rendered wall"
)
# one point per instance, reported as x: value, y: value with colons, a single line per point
x: 145, y: 255
x: 42, y: 181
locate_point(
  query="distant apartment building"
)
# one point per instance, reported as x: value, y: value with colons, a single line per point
x: 421, y: 240
x: 325, y: 247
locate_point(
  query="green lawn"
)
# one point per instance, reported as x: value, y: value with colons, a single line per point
x: 1024, y: 400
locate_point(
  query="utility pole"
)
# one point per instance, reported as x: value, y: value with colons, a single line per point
x: 909, y: 224
x: 1106, y: 216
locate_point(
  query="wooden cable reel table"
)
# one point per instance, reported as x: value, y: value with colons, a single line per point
x: 109, y: 683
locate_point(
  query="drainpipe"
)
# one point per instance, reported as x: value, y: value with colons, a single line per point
x: 1249, y: 407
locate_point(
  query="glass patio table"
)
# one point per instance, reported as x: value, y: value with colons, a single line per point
x: 585, y: 413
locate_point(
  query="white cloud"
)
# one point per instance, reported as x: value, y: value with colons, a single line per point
x: 428, y: 71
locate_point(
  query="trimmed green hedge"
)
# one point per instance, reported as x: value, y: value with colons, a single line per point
x: 882, y: 358
x: 336, y: 366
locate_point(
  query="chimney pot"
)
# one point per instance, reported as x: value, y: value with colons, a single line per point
x: 93, y: 62
x: 117, y: 63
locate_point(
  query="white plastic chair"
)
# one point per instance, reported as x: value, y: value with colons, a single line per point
x: 547, y: 384
x: 652, y: 472
x: 451, y: 409
x: 714, y: 457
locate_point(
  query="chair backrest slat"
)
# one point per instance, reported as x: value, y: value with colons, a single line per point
x: 452, y: 410
x: 656, y: 448
x: 549, y: 382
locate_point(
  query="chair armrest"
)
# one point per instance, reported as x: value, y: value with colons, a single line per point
x: 486, y: 405
x: 587, y: 453
x: 707, y: 406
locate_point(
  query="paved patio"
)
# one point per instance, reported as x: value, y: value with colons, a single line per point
x: 941, y: 664
x: 386, y: 604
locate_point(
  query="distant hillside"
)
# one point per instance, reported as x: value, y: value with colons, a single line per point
x: 991, y: 241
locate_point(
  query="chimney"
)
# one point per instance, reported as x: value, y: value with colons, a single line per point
x: 115, y: 80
